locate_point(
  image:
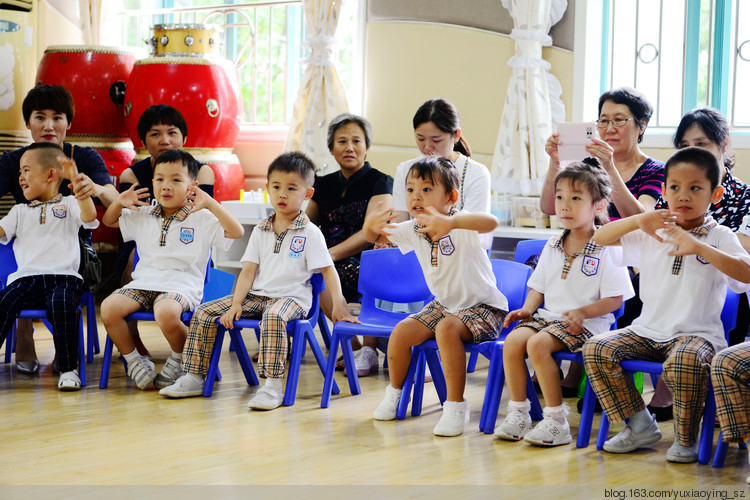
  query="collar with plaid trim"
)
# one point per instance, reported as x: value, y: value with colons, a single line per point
x: 433, y: 244
x: 180, y: 215
x: 43, y: 214
x: 589, y: 249
x: 298, y: 223
x: 702, y: 230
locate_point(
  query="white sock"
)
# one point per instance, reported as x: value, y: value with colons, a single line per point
x: 177, y: 356
x: 132, y: 356
x: 520, y: 406
x: 273, y: 384
x: 194, y: 377
x: 640, y: 421
x: 559, y: 413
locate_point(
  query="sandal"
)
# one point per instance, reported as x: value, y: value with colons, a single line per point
x: 69, y: 381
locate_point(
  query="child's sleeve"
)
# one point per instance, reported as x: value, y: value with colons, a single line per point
x: 728, y: 243
x: 615, y: 278
x: 216, y: 236
x: 75, y: 211
x: 631, y: 246
x: 403, y: 236
x: 252, y: 252
x: 127, y: 222
x: 317, y: 255
x: 9, y: 223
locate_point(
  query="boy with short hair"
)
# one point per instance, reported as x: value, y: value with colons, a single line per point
x: 283, y: 253
x: 686, y: 262
x: 47, y: 253
x: 174, y: 240
x: 468, y: 307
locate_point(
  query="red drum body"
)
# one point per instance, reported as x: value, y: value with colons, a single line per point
x: 204, y: 90
x: 96, y: 78
x: 228, y: 176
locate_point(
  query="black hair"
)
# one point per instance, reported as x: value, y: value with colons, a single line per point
x: 161, y: 114
x: 53, y: 97
x: 701, y: 159
x: 345, y: 119
x: 432, y: 167
x: 48, y: 153
x: 182, y: 157
x: 294, y: 162
x: 713, y: 124
x: 590, y: 174
x: 444, y: 115
x: 636, y: 102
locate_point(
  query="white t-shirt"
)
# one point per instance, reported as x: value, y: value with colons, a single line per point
x: 463, y: 275
x: 688, y: 303
x: 180, y: 265
x: 591, y: 277
x: 49, y: 248
x: 287, y: 262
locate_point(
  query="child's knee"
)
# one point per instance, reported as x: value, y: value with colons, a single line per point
x: 451, y: 327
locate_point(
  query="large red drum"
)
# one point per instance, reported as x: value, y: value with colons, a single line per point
x: 228, y: 175
x: 96, y: 78
x: 204, y: 90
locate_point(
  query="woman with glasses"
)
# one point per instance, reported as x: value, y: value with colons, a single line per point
x: 636, y: 179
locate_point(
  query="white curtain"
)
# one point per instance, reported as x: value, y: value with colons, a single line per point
x: 321, y: 95
x: 532, y: 103
x: 91, y: 18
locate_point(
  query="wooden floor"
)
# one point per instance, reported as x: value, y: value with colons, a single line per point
x: 123, y: 436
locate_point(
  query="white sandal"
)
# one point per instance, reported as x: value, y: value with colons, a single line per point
x: 69, y: 381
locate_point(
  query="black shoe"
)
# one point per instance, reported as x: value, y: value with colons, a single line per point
x: 569, y: 392
x: 661, y: 413
x: 597, y: 406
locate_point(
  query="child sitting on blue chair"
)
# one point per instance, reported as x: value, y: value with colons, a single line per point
x: 468, y: 307
x: 174, y: 240
x: 47, y: 253
x: 580, y: 284
x: 686, y: 262
x: 283, y: 253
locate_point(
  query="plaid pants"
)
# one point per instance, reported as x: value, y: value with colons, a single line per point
x: 686, y: 363
x: 730, y: 372
x: 59, y: 295
x: 274, y: 315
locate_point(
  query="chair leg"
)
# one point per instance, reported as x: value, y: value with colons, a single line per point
x: 472, y: 362
x: 325, y: 398
x: 603, y: 432
x: 721, y: 452
x: 92, y: 330
x: 706, y: 439
x: 438, y: 377
x: 536, y: 407
x: 318, y: 353
x: 324, y: 330
x: 587, y: 417
x: 407, y: 385
x: 213, y: 367
x: 10, y: 343
x: 351, y: 370
x: 81, y: 350
x: 298, y: 346
x: 494, y: 385
x: 418, y: 394
x: 106, y: 363
x: 243, y: 357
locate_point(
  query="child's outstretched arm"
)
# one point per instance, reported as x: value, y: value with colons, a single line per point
x: 333, y: 285
x: 70, y: 171
x: 241, y: 288
x: 437, y: 225
x: 376, y: 225
x: 687, y: 244
x: 132, y: 199
x: 232, y: 227
x: 533, y: 300
x: 601, y: 307
x: 648, y: 222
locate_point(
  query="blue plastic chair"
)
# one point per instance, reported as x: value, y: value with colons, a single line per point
x: 528, y: 248
x: 8, y: 266
x: 721, y: 451
x: 301, y: 332
x: 510, y: 278
x: 705, y: 447
x: 384, y: 274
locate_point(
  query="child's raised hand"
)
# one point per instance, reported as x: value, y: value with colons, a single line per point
x: 434, y: 224
x: 685, y: 242
x: 379, y: 220
x: 133, y: 198
x: 654, y: 220
x: 233, y: 314
x: 574, y: 319
x: 69, y: 167
x: 198, y: 199
x: 516, y: 315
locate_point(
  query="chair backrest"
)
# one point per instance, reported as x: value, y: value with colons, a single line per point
x: 7, y: 263
x: 729, y: 312
x: 389, y: 275
x: 528, y: 248
x: 218, y: 284
x: 511, y: 278
x: 318, y: 285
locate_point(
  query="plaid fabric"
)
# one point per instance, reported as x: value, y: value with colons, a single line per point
x: 43, y: 214
x: 483, y: 321
x: 590, y: 248
x: 685, y: 359
x: 701, y: 230
x: 558, y: 330
x: 180, y: 215
x: 298, y: 223
x: 434, y: 245
x: 148, y: 298
x: 274, y: 314
x: 730, y: 374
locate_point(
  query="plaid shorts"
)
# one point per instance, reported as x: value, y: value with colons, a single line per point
x: 483, y: 321
x: 147, y: 298
x: 557, y: 329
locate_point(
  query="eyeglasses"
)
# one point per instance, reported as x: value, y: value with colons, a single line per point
x: 617, y: 123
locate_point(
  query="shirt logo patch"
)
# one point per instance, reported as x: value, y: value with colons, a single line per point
x: 446, y: 245
x: 590, y: 265
x: 187, y: 235
x: 298, y: 244
x: 60, y: 211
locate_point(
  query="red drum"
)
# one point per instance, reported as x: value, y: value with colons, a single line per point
x: 96, y: 78
x: 228, y: 175
x: 204, y: 90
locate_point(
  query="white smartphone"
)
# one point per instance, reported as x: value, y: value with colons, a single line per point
x: 574, y: 137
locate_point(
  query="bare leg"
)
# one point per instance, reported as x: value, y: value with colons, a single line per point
x: 451, y: 333
x: 167, y: 314
x: 540, y: 347
x: 25, y: 350
x: 407, y: 334
x: 114, y: 309
x: 127, y: 277
x: 514, y: 362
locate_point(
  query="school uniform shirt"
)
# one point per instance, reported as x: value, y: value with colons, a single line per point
x: 172, y: 253
x: 50, y: 247
x: 456, y: 267
x: 682, y: 296
x: 578, y: 280
x: 287, y: 261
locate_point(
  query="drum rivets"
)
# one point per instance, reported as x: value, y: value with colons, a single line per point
x: 189, y: 40
x: 213, y: 107
x: 128, y: 108
x: 164, y: 40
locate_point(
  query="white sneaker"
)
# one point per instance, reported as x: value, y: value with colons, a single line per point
x: 366, y: 362
x: 69, y: 381
x: 188, y: 385
x: 170, y: 372
x: 549, y: 432
x: 683, y: 454
x: 142, y: 372
x: 628, y: 440
x: 454, y: 419
x: 387, y: 408
x: 515, y: 426
x: 266, y: 399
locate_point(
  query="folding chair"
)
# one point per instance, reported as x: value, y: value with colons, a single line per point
x: 510, y: 278
x: 384, y: 274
